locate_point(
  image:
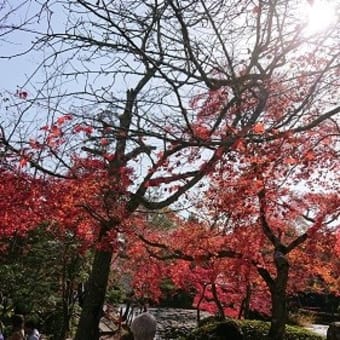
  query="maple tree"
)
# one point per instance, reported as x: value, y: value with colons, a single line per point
x: 257, y: 215
x: 126, y: 127
x: 225, y: 265
x: 253, y: 194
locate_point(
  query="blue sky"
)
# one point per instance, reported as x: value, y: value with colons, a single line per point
x: 16, y: 71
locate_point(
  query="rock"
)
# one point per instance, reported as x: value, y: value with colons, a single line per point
x: 333, y: 332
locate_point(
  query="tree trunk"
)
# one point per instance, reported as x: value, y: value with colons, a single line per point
x: 245, y: 305
x: 65, y: 326
x: 279, y: 300
x: 220, y: 309
x: 198, y: 315
x: 279, y: 316
x: 88, y: 327
x: 67, y: 306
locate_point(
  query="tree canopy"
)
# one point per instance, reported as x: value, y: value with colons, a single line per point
x: 134, y: 105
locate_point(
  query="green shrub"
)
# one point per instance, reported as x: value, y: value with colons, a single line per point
x: 219, y: 330
x: 251, y: 329
x: 208, y: 320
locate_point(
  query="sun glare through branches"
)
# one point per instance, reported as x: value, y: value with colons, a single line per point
x: 321, y: 15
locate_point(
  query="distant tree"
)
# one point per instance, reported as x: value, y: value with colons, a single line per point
x: 41, y: 274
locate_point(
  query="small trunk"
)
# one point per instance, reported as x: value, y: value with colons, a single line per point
x: 245, y: 305
x: 217, y: 302
x: 198, y: 316
x: 67, y: 308
x: 88, y: 327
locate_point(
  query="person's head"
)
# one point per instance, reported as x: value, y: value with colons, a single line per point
x: 18, y: 321
x: 143, y: 327
x: 29, y: 326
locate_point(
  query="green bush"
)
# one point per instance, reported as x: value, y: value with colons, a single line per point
x: 208, y: 320
x: 251, y: 329
x: 218, y: 330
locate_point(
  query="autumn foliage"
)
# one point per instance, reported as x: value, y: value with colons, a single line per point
x: 263, y: 198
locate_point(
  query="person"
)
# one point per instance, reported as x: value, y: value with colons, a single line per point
x: 143, y: 327
x: 17, y: 328
x: 2, y: 328
x: 30, y: 330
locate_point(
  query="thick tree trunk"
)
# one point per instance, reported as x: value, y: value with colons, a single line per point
x: 65, y: 327
x: 279, y: 300
x: 279, y: 316
x: 88, y: 327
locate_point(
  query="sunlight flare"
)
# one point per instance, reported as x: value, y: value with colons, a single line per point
x: 321, y: 15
